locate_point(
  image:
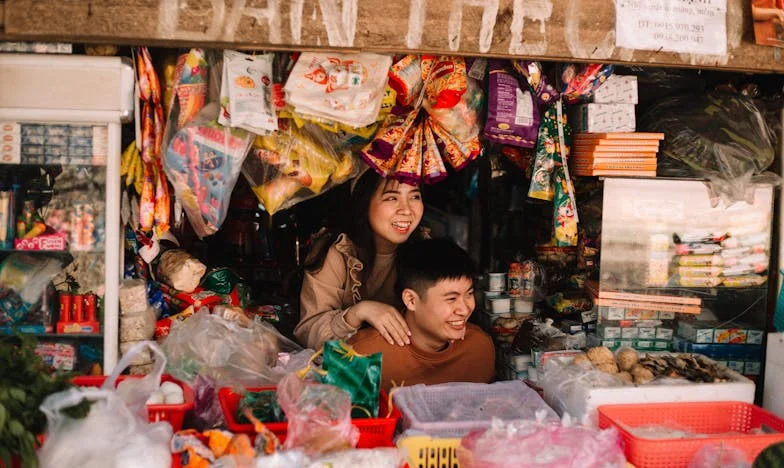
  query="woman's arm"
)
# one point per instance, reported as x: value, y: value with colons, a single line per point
x: 322, y: 311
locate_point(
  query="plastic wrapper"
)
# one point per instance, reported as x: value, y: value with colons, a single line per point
x: 359, y: 375
x: 366, y: 458
x: 23, y: 282
x: 228, y: 352
x: 405, y: 77
x: 202, y: 163
x: 347, y: 88
x: 319, y: 416
x: 722, y: 137
x: 564, y: 219
x: 720, y: 455
x: 566, y: 387
x: 130, y: 442
x: 512, y: 115
x: 295, y: 164
x: 207, y: 410
x: 138, y: 327
x: 541, y: 335
x: 246, y: 92
x: 446, y: 80
x: 189, y: 90
x: 461, y: 120
x: 526, y: 444
x: 454, y: 409
x: 534, y: 75
x: 581, y: 81
x: 548, y: 155
x: 180, y: 270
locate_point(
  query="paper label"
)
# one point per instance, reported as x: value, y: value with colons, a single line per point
x: 685, y: 26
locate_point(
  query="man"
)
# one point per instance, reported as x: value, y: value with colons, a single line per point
x: 435, y: 281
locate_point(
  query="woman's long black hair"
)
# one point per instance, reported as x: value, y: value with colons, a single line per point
x: 356, y: 226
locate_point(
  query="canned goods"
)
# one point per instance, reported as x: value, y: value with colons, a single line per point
x: 65, y: 307
x: 78, y: 308
x: 515, y: 279
x: 89, y: 307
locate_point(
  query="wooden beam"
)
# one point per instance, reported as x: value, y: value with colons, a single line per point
x: 582, y: 30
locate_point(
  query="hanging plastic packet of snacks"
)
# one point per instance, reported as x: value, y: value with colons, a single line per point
x: 248, y: 80
x: 405, y: 77
x: 581, y: 81
x: 565, y: 224
x: 542, y: 186
x: 537, y: 81
x: 512, y: 115
x: 446, y: 82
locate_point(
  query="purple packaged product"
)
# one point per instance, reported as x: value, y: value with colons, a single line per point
x: 512, y: 116
x: 537, y: 81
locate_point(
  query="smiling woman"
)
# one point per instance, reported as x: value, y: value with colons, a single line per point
x: 350, y: 279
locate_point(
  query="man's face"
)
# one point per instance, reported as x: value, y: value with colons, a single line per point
x: 441, y: 314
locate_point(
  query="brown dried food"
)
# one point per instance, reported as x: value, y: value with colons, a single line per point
x: 608, y: 367
x: 627, y: 358
x: 600, y: 355
x: 626, y: 377
x: 641, y: 374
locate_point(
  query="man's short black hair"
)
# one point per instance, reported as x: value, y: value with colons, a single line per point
x: 422, y: 264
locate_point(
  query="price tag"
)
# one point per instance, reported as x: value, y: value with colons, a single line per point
x: 685, y: 26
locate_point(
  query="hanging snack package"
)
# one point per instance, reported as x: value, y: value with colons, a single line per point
x: 446, y: 80
x: 581, y: 81
x: 564, y: 221
x: 248, y: 81
x: 347, y: 88
x: 534, y: 75
x: 542, y: 186
x: 203, y: 162
x: 433, y: 168
x: 512, y: 115
x: 405, y: 77
x: 189, y: 91
x: 462, y: 120
x: 295, y: 164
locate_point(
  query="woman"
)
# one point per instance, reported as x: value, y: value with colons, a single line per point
x: 351, y: 280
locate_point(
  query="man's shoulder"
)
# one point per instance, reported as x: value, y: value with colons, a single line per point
x: 368, y: 340
x: 476, y: 338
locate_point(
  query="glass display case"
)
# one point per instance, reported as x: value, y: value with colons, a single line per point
x: 60, y: 244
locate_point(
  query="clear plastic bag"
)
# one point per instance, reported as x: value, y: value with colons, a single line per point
x: 202, y: 162
x: 116, y: 430
x: 722, y: 137
x: 295, y: 164
x: 566, y: 388
x: 528, y: 444
x: 719, y: 456
x: 366, y: 458
x: 454, y: 409
x: 135, y: 392
x: 319, y: 416
x: 227, y: 352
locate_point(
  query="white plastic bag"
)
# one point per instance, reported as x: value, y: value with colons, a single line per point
x: 227, y: 352
x: 110, y: 436
x: 135, y: 392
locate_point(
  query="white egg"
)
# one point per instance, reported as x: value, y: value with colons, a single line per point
x: 171, y: 388
x: 156, y: 398
x: 173, y: 399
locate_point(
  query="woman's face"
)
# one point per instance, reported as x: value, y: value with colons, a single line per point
x: 394, y: 213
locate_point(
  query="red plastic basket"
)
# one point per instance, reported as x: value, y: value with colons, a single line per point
x: 373, y: 432
x: 717, y: 419
x: 173, y: 414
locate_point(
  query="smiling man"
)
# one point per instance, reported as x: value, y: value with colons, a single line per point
x: 435, y: 281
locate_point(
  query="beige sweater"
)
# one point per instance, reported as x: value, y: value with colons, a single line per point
x: 327, y: 294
